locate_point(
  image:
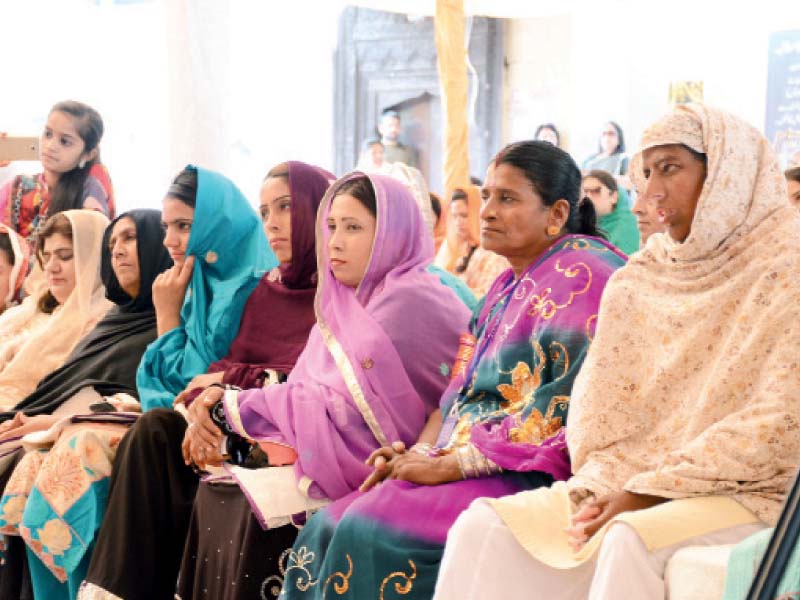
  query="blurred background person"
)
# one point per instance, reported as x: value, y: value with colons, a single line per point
x: 610, y: 155
x: 372, y: 159
x: 647, y: 221
x: 547, y: 132
x: 394, y: 150
x: 613, y: 213
x: 461, y: 252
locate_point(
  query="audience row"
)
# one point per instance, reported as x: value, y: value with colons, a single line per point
x: 315, y: 402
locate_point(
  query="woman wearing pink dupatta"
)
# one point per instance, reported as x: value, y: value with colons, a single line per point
x: 375, y: 364
x: 377, y: 360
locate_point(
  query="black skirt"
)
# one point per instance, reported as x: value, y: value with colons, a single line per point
x: 228, y: 556
x: 151, y: 493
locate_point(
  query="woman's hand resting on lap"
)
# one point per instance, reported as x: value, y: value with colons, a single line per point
x: 395, y: 462
x: 202, y: 438
x: 593, y: 515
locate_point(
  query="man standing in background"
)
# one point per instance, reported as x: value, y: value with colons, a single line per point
x: 393, y: 149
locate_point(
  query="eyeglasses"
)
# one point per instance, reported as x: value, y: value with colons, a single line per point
x: 609, y: 133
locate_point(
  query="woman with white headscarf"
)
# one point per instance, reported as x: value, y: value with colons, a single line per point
x: 684, y: 424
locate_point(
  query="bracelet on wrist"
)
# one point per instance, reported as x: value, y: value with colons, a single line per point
x: 217, y: 412
x: 460, y: 461
x: 473, y: 464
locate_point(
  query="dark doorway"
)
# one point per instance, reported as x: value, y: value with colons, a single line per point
x: 387, y: 60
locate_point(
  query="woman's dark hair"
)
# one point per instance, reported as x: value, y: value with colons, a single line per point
x: 55, y: 224
x: 6, y: 247
x: 458, y: 195
x: 68, y: 194
x: 604, y: 177
x: 554, y: 175
x: 361, y: 189
x: 620, y: 140
x: 184, y: 187
x: 551, y: 127
x: 436, y: 206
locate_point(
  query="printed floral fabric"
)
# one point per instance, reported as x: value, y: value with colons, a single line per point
x: 26, y: 200
x: 55, y: 499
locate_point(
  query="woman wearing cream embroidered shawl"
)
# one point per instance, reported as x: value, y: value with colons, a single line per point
x: 34, y: 343
x: 684, y: 421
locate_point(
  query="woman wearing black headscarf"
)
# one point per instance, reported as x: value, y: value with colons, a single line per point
x: 108, y: 357
x: 54, y: 500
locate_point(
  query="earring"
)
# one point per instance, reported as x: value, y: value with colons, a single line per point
x: 553, y: 230
x: 82, y: 163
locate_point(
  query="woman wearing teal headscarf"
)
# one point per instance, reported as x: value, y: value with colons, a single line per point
x: 220, y: 252
x: 613, y: 210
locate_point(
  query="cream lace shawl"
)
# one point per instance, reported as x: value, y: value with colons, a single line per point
x: 692, y: 384
x: 42, y: 346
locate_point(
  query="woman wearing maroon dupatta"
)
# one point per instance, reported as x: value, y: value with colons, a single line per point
x: 375, y: 364
x: 140, y: 544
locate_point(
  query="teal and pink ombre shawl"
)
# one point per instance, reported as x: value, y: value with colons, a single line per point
x: 231, y: 255
x: 509, y: 397
x: 377, y: 360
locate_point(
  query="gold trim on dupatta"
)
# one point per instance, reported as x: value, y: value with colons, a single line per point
x: 351, y: 381
x: 334, y: 347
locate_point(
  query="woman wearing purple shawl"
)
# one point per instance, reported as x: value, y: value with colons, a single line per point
x: 506, y: 406
x: 152, y: 490
x: 380, y: 353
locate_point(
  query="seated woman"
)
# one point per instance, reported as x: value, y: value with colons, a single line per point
x: 614, y: 216
x: 14, y: 265
x: 354, y: 388
x: 684, y: 427
x: 548, y: 132
x: 415, y: 183
x: 220, y: 254
x: 500, y: 426
x: 38, y: 336
x: 72, y: 175
x: 610, y: 155
x: 276, y: 321
x: 461, y: 252
x: 648, y: 221
x: 55, y: 497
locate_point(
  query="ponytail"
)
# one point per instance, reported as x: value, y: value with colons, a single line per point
x: 587, y: 220
x: 554, y: 175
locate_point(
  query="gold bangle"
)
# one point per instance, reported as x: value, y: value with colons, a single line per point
x: 493, y: 466
x: 480, y: 463
x: 480, y: 460
x: 460, y: 462
x: 474, y: 460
